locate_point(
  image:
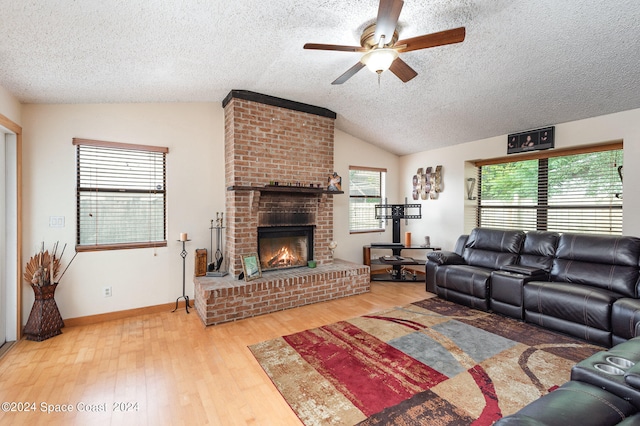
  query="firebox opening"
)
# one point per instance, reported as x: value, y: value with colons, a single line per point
x: 285, y: 246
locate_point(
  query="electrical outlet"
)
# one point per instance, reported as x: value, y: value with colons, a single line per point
x: 106, y: 291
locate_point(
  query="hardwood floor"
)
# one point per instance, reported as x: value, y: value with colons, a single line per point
x: 167, y: 368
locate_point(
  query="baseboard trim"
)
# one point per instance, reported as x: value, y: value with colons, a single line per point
x: 110, y: 316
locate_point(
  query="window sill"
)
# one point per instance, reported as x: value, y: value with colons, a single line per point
x: 123, y: 246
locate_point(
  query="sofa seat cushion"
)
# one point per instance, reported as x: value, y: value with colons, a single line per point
x: 573, y: 403
x: 464, y: 284
x: 576, y: 303
x: 471, y: 280
x: 578, y: 310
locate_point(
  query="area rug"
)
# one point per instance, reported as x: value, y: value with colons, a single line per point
x: 432, y: 362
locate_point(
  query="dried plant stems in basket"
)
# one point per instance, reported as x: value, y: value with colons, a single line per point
x: 42, y: 269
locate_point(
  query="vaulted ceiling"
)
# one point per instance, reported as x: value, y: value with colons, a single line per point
x: 524, y: 63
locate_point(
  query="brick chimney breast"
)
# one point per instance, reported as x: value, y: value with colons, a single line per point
x: 270, y: 140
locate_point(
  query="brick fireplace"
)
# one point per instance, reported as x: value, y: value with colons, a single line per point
x: 278, y: 156
x: 269, y: 140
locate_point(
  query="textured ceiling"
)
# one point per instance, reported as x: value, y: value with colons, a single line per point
x: 524, y: 64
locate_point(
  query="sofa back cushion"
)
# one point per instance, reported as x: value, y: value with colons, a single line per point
x: 604, y: 261
x: 461, y: 243
x: 493, y: 248
x: 538, y: 249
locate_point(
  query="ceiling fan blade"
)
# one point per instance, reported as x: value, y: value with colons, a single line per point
x: 350, y: 73
x: 441, y: 38
x: 388, y: 14
x: 340, y: 48
x: 402, y: 70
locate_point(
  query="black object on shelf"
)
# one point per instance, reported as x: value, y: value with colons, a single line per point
x: 184, y: 296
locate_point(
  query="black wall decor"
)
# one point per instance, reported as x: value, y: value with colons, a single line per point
x: 531, y: 140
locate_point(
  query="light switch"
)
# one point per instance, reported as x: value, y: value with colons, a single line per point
x: 56, y: 221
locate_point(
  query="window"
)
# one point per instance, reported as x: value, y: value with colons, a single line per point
x: 120, y: 195
x: 572, y: 191
x: 366, y: 189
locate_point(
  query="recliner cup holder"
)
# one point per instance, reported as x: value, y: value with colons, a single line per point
x: 620, y: 362
x: 609, y: 369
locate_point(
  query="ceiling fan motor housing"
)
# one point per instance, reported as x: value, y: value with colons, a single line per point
x: 367, y: 38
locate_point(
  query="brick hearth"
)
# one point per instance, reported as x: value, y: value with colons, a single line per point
x: 219, y: 300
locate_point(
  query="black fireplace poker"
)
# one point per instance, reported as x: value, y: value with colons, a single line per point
x: 213, y: 267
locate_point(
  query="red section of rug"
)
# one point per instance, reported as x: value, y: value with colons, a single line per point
x: 491, y: 411
x: 370, y: 373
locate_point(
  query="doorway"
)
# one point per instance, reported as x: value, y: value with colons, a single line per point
x: 10, y: 247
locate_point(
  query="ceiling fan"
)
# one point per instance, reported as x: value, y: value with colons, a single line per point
x: 381, y: 47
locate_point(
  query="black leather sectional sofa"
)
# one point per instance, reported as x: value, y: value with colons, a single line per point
x: 587, y: 286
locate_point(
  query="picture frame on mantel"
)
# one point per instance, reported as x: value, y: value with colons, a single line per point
x: 251, y: 266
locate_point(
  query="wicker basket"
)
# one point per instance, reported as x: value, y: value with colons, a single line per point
x: 44, y: 320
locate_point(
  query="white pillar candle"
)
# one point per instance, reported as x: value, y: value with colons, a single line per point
x: 183, y: 236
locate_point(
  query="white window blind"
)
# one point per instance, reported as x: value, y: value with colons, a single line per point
x: 576, y: 192
x: 120, y: 195
x: 366, y: 189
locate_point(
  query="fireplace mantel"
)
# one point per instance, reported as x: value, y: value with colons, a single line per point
x: 285, y: 189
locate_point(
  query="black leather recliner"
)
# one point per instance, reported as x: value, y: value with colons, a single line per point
x: 465, y: 279
x: 574, y: 404
x: 589, y: 273
x: 604, y: 390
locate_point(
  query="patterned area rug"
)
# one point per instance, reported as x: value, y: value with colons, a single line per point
x: 428, y: 363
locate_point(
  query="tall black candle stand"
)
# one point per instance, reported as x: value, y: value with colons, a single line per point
x: 184, y: 296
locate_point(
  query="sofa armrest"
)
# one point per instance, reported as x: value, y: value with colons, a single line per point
x: 632, y: 376
x: 446, y: 258
x: 524, y: 270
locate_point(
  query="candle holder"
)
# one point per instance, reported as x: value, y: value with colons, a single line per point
x: 184, y: 296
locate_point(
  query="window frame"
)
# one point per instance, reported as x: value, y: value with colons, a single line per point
x: 124, y: 147
x: 382, y: 223
x: 543, y: 208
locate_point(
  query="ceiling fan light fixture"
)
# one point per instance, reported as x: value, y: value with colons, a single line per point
x: 379, y: 60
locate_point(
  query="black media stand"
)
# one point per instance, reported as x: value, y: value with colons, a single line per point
x: 395, y: 265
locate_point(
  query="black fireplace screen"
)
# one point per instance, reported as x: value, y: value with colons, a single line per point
x: 285, y: 246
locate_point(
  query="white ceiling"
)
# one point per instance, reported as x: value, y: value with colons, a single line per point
x: 524, y: 64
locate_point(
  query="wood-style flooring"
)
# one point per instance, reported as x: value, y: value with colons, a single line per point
x: 166, y: 368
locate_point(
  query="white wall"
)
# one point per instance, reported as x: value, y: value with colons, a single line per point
x: 9, y: 106
x: 194, y: 135
x: 350, y: 151
x: 444, y: 218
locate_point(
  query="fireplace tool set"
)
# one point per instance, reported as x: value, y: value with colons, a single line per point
x: 216, y: 260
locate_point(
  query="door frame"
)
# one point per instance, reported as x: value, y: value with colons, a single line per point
x: 17, y: 130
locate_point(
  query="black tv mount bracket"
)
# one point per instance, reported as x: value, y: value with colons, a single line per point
x: 395, y: 212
